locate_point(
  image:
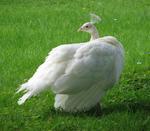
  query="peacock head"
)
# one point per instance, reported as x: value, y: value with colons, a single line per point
x: 90, y: 27
x: 87, y: 27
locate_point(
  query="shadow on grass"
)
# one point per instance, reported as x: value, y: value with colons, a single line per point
x: 120, y: 107
x: 128, y: 106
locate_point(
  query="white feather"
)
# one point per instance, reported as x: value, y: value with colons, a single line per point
x: 79, y: 74
x: 94, y: 18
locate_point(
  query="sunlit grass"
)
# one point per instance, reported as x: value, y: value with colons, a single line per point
x: 30, y: 29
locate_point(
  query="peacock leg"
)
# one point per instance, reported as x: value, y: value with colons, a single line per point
x: 96, y: 110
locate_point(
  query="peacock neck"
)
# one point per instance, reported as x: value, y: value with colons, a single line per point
x: 94, y: 34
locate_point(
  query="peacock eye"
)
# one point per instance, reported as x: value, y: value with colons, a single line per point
x: 87, y: 26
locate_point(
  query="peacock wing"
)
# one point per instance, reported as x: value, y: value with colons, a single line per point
x: 90, y: 65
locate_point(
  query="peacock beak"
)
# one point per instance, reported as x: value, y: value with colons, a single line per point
x: 80, y: 29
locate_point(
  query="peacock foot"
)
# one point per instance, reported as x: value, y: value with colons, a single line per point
x: 96, y: 110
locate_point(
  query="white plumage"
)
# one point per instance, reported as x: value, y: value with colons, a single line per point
x: 79, y: 74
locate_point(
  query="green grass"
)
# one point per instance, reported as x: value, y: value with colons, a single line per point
x: 29, y: 29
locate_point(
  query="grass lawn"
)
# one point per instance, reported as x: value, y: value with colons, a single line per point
x: 29, y: 29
